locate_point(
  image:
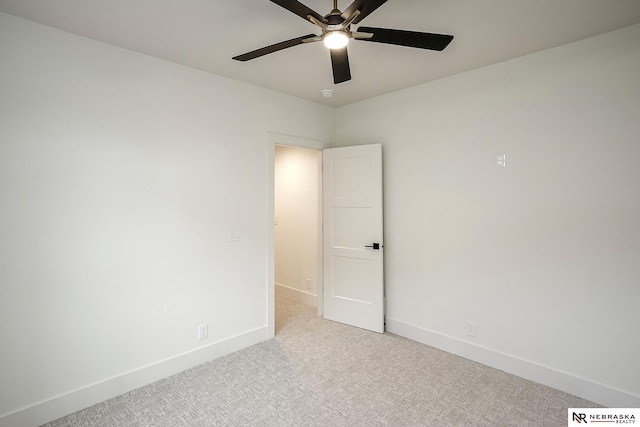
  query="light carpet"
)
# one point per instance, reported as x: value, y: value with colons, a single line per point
x: 320, y: 373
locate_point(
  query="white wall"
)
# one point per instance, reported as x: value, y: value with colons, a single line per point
x: 296, y: 234
x: 543, y: 255
x: 120, y: 175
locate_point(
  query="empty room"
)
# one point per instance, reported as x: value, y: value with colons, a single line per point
x: 285, y: 213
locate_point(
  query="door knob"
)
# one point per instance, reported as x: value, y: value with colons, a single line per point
x: 375, y: 246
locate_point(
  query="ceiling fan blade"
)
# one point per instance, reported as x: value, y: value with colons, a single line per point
x: 368, y: 6
x: 299, y: 9
x: 340, y: 65
x: 274, y: 48
x: 407, y: 38
x: 356, y: 5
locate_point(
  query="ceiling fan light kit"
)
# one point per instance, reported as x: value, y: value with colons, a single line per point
x: 336, y: 39
x: 336, y: 32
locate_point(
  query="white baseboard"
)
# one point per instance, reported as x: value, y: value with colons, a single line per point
x: 59, y: 406
x: 560, y: 380
x: 296, y: 294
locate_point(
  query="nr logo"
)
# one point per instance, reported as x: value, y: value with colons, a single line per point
x: 580, y: 418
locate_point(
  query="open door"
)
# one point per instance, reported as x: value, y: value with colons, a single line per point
x: 352, y: 236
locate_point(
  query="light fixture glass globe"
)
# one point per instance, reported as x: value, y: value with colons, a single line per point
x: 336, y: 40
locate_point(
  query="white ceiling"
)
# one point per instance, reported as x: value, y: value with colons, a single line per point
x: 206, y: 34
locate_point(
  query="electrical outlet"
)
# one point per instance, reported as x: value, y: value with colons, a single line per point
x: 203, y: 332
x: 501, y: 160
x: 308, y: 284
x: 471, y: 328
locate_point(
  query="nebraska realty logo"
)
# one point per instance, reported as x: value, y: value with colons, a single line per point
x: 603, y: 415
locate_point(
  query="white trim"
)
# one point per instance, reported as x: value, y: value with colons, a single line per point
x: 560, y: 380
x: 270, y: 248
x: 64, y: 404
x: 319, y: 234
x: 297, y: 294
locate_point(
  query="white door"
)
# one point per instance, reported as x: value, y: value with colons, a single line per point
x: 352, y: 237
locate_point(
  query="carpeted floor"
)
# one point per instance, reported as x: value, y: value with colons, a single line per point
x: 320, y: 373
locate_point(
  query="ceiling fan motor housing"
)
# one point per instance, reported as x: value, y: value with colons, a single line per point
x: 334, y: 18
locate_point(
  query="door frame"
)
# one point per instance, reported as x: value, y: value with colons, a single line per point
x: 299, y: 142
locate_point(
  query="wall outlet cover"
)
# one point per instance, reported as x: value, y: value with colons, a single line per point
x: 203, y: 331
x: 471, y: 328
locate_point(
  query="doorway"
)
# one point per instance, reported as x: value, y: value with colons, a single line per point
x: 297, y: 215
x: 294, y: 203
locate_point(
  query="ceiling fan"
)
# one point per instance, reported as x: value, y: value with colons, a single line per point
x: 336, y: 32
